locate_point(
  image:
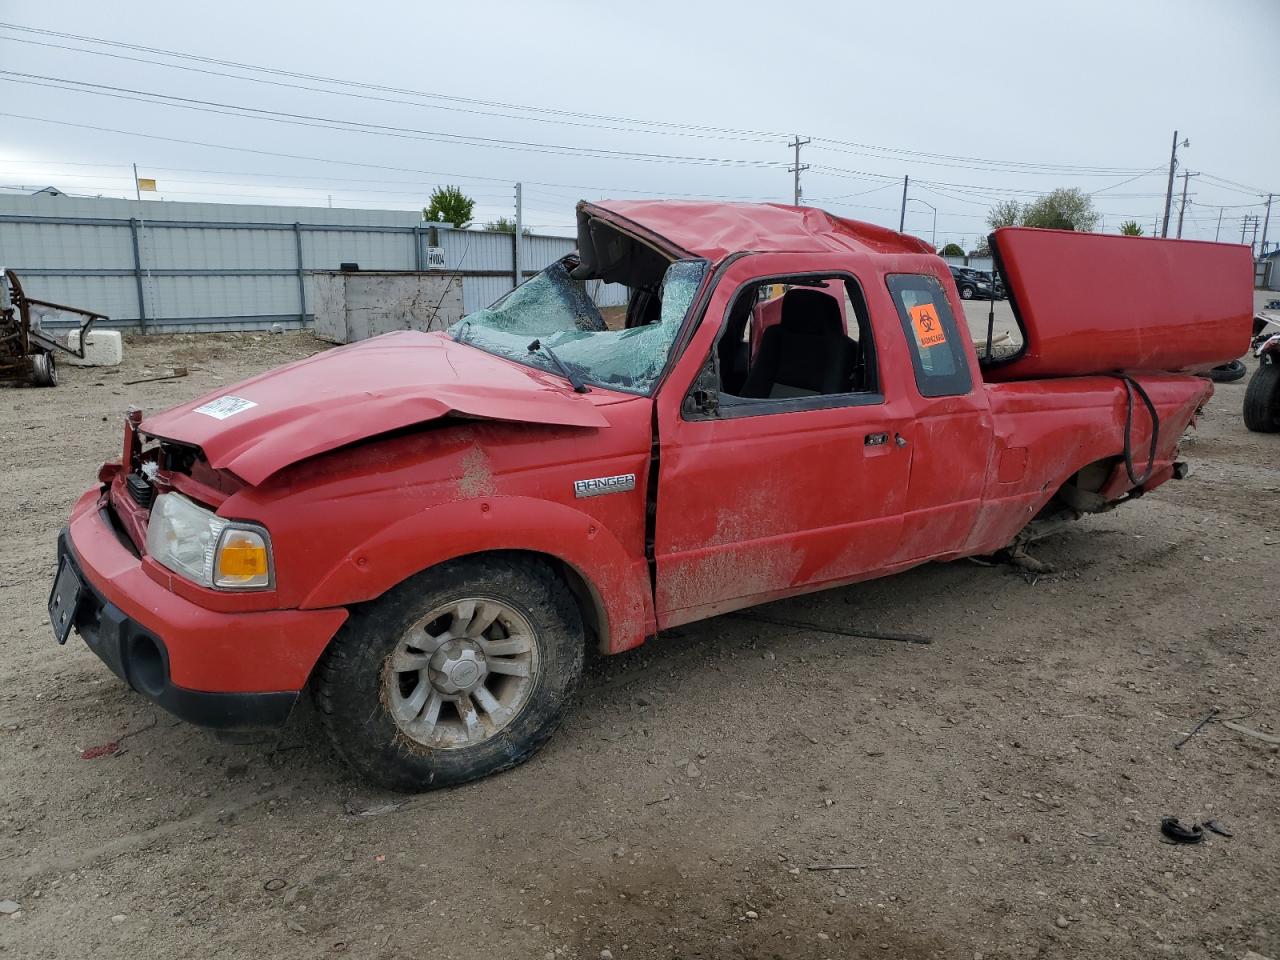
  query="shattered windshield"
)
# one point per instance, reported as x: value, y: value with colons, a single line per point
x: 558, y: 312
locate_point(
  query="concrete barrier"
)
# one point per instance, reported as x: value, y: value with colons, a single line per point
x: 102, y: 348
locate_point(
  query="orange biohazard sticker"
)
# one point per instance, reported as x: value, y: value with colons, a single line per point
x: 927, y: 326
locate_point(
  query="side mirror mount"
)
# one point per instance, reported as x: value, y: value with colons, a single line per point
x: 702, y: 402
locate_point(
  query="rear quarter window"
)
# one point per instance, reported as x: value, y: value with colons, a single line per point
x: 933, y: 337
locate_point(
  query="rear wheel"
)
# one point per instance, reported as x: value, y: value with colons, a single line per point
x: 463, y: 670
x: 1262, y: 399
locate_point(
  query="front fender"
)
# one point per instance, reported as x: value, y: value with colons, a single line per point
x: 618, y: 579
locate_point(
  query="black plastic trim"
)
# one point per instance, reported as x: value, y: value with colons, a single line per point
x: 130, y: 651
x: 735, y: 407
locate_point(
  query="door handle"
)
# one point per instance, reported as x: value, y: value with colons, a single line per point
x: 875, y: 439
x: 899, y: 439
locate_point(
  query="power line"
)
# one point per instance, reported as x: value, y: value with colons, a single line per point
x: 350, y: 163
x: 993, y: 166
x: 1056, y: 167
x: 692, y: 133
x: 276, y: 71
x: 1239, y: 187
x: 355, y: 126
x: 684, y: 129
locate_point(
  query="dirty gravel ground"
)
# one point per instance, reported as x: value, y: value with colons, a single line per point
x: 999, y: 791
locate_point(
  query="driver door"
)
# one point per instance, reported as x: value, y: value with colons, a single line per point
x: 764, y: 498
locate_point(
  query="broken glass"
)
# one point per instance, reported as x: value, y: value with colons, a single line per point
x: 557, y: 310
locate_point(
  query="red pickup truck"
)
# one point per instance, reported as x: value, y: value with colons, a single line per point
x: 427, y: 530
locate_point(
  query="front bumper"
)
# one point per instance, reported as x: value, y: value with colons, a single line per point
x: 228, y: 671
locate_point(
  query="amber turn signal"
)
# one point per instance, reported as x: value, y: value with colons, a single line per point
x: 242, y: 560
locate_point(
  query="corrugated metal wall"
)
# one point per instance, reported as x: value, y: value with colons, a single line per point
x: 211, y: 266
x: 977, y: 263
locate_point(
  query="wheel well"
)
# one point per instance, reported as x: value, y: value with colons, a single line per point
x: 1079, y: 492
x: 590, y: 605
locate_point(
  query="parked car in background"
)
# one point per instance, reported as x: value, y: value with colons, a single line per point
x: 971, y: 283
x: 987, y: 275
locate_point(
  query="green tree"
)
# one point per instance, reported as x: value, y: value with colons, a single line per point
x: 951, y: 250
x: 1130, y: 228
x: 1006, y: 213
x: 1066, y: 208
x: 449, y: 205
x: 506, y: 225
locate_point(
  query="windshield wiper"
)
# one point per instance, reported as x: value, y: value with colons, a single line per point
x: 461, y: 332
x: 573, y: 378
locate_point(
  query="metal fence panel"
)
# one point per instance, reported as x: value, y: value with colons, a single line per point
x: 193, y: 248
x: 479, y: 292
x: 209, y: 266
x: 476, y: 250
x: 330, y: 249
x: 115, y: 296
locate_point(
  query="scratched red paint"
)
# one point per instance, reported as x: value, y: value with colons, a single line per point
x: 360, y: 465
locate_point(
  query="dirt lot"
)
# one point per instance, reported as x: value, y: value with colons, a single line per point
x: 997, y: 793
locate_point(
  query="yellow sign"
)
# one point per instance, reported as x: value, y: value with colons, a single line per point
x: 146, y: 184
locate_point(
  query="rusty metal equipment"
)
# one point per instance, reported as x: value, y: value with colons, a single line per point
x: 27, y: 348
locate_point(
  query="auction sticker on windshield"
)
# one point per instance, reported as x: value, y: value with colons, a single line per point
x: 927, y: 327
x: 224, y: 407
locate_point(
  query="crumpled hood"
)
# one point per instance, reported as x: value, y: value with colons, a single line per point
x: 277, y: 418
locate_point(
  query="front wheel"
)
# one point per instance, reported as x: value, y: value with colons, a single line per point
x: 459, y: 672
x: 966, y: 292
x: 1262, y: 399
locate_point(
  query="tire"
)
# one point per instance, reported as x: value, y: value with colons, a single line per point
x: 1262, y: 399
x: 1228, y: 372
x: 44, y: 371
x: 392, y: 733
x: 966, y: 292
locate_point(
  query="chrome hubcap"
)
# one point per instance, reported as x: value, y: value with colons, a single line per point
x: 461, y: 673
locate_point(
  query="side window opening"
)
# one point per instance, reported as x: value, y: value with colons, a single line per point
x: 937, y: 352
x: 795, y: 337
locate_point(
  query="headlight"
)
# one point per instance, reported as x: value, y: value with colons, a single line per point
x: 203, y: 547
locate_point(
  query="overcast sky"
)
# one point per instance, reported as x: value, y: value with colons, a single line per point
x: 975, y: 101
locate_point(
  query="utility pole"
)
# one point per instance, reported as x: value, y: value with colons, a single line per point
x: 902, y: 217
x: 1182, y: 209
x: 1168, y: 197
x: 1217, y: 232
x: 519, y: 265
x: 1247, y: 221
x: 1265, y: 223
x: 797, y: 167
x: 1254, y: 238
x: 137, y: 190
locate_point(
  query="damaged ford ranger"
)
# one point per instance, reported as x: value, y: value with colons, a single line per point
x: 428, y: 530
